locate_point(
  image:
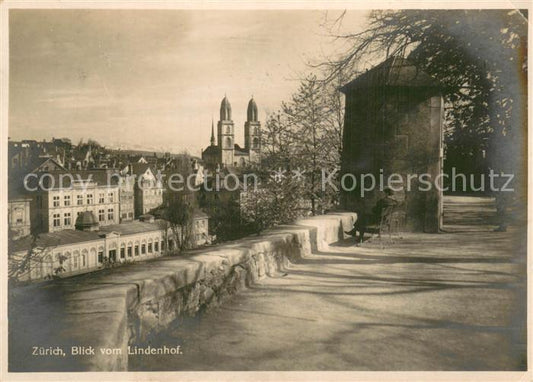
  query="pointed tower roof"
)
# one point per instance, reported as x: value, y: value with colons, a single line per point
x: 225, y: 110
x: 212, y: 132
x: 252, y: 111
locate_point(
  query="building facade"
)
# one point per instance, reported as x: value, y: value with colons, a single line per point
x: 18, y: 217
x: 126, y: 198
x: 56, y: 209
x: 90, y: 247
x: 223, y: 151
x: 71, y: 252
x: 148, y: 189
x: 200, y: 228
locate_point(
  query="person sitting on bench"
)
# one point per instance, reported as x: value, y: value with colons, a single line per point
x: 364, y: 220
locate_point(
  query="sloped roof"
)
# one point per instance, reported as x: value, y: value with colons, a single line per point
x: 395, y: 71
x: 211, y: 150
x: 53, y: 239
x: 37, y: 163
x: 141, y: 168
x: 71, y: 236
x: 100, y: 176
x: 131, y: 228
x: 64, y: 177
x: 238, y: 150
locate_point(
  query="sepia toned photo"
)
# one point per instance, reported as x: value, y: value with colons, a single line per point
x: 283, y: 188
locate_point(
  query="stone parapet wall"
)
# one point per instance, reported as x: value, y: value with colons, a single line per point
x: 118, y: 307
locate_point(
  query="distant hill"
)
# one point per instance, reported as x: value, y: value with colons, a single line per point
x: 146, y: 153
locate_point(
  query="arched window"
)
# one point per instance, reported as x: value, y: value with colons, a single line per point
x: 256, y: 143
x: 228, y: 142
x: 65, y: 261
x: 143, y: 247
x: 122, y: 251
x: 91, y: 262
x: 228, y: 130
x: 35, y: 268
x: 47, y: 266
x: 75, y: 261
x: 100, y: 259
x: 84, y: 256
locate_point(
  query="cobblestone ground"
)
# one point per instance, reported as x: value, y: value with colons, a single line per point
x: 449, y: 301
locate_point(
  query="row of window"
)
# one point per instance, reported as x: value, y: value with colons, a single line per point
x: 255, y: 131
x: 102, y: 216
x: 156, y: 192
x: 131, y: 251
x: 75, y: 262
x: 89, y: 199
x: 56, y: 201
x: 67, y: 217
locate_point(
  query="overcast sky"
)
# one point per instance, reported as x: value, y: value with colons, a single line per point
x: 154, y: 79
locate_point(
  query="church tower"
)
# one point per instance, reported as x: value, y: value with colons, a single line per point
x: 213, y: 142
x: 252, y: 132
x: 226, y: 137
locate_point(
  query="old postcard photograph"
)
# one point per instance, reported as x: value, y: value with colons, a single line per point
x: 264, y: 191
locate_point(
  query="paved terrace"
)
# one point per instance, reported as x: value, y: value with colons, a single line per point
x: 449, y: 301
x: 112, y: 308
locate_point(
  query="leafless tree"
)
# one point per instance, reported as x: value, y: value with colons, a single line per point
x: 23, y: 264
x: 477, y: 55
x: 179, y: 215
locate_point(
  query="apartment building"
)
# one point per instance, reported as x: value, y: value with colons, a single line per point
x: 56, y: 208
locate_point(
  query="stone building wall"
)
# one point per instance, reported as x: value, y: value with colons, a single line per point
x: 18, y: 216
x: 395, y: 127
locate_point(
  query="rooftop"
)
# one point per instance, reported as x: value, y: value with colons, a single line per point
x: 71, y: 236
x: 131, y: 228
x: 75, y: 178
x: 395, y: 71
x: 211, y: 150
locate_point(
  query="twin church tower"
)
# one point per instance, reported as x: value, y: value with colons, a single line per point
x: 225, y: 152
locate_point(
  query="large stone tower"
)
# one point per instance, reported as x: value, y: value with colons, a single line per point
x: 252, y: 132
x: 226, y: 134
x: 393, y: 125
